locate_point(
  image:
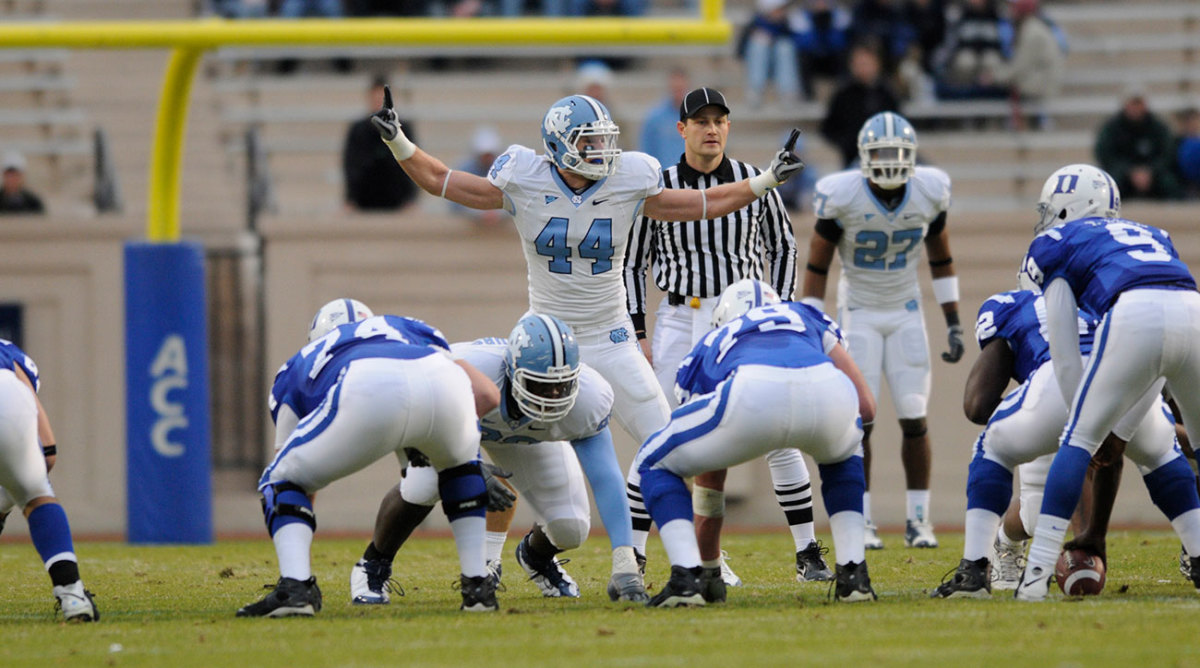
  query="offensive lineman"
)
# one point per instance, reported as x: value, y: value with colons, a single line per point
x: 877, y: 219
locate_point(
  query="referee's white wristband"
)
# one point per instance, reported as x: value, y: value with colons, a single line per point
x: 761, y: 184
x: 945, y: 289
x: 814, y: 302
x: 401, y: 147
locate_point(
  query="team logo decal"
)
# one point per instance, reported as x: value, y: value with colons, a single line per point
x: 619, y: 335
x: 558, y: 119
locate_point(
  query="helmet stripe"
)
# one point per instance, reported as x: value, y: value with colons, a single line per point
x: 349, y: 310
x: 1112, y: 191
x: 889, y: 125
x: 758, y: 295
x: 556, y: 343
x: 595, y: 105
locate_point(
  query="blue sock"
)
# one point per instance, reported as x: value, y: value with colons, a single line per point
x: 599, y: 462
x: 989, y: 485
x: 667, y: 498
x: 1064, y: 482
x: 843, y: 485
x: 1172, y: 487
x: 51, y: 534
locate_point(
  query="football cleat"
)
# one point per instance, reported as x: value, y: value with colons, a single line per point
x: 1008, y: 567
x: 919, y: 534
x: 871, y: 539
x: 1194, y: 572
x: 495, y: 570
x: 641, y: 562
x: 478, y: 593
x: 289, y: 598
x: 970, y: 581
x: 1034, y: 585
x: 731, y: 579
x: 547, y: 574
x: 76, y: 603
x: 371, y: 582
x: 810, y: 564
x: 853, y: 584
x: 1185, y: 564
x: 682, y: 590
x: 712, y: 585
x: 627, y: 587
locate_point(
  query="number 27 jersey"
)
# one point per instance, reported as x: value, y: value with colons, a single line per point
x: 575, y: 243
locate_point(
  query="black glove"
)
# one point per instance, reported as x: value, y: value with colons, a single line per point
x: 500, y: 497
x: 954, y: 338
x: 385, y: 120
x: 786, y: 163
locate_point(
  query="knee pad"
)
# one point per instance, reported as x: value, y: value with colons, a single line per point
x: 286, y: 503
x: 666, y: 496
x: 567, y: 533
x: 463, y: 491
x: 989, y: 485
x: 843, y: 485
x: 708, y: 502
x: 420, y: 485
x: 1172, y: 487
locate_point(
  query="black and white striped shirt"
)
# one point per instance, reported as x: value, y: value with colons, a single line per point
x: 701, y: 258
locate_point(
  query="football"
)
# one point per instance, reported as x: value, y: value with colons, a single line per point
x: 1079, y: 573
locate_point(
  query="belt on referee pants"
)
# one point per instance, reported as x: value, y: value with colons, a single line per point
x: 675, y: 299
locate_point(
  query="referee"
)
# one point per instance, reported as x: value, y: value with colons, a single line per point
x: 693, y: 263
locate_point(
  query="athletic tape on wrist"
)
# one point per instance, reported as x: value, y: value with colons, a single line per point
x: 945, y: 289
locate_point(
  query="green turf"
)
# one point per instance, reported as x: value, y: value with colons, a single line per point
x: 174, y: 606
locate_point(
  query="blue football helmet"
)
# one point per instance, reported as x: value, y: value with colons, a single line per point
x: 576, y: 120
x: 542, y: 364
x: 335, y: 313
x: 887, y: 150
x: 740, y: 297
x: 1074, y: 192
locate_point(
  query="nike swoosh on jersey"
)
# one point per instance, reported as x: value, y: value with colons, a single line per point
x: 598, y: 202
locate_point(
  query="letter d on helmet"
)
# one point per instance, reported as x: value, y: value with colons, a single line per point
x: 1074, y: 192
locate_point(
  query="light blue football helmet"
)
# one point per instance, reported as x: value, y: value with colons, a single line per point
x: 575, y: 118
x: 887, y: 150
x: 542, y: 364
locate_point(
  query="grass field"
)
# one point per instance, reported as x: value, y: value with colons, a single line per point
x: 174, y: 606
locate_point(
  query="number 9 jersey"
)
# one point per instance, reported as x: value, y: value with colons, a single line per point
x: 880, y: 248
x: 575, y: 243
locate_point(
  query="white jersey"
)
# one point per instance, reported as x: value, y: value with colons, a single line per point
x: 575, y: 243
x: 587, y: 417
x: 880, y: 249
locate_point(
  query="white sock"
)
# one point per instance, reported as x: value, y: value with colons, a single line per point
x: 848, y: 539
x: 917, y: 505
x: 1005, y: 541
x: 867, y: 507
x: 803, y: 534
x: 1048, y: 538
x: 292, y: 545
x: 495, y: 544
x: 468, y: 540
x: 979, y: 534
x: 679, y: 538
x: 1187, y: 525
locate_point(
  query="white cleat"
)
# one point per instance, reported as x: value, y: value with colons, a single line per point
x: 871, y: 539
x: 1034, y: 585
x: 1007, y: 566
x: 919, y: 534
x: 76, y: 603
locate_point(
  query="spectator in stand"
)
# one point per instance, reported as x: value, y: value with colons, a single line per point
x: 1187, y: 151
x: 1136, y: 147
x: 821, y: 29
x: 928, y: 21
x: 386, y: 7
x: 15, y: 198
x: 241, y: 9
x: 374, y: 182
x: 298, y: 9
x: 594, y: 78
x: 973, y: 51
x: 486, y: 145
x: 883, y: 22
x: 863, y: 95
x: 771, y: 55
x: 660, y: 128
x: 1035, y: 71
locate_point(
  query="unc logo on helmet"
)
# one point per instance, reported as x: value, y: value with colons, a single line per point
x: 1074, y: 192
x: 740, y: 297
x: 887, y: 150
x: 580, y: 137
x: 542, y: 365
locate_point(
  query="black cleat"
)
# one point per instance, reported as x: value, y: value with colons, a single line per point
x: 641, y: 562
x: 712, y: 585
x: 853, y: 584
x: 478, y: 593
x: 971, y: 579
x: 289, y: 598
x: 683, y: 589
x: 810, y: 564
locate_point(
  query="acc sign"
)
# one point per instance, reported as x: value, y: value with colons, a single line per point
x: 168, y: 372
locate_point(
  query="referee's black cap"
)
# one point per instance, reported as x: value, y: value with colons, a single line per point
x: 700, y: 98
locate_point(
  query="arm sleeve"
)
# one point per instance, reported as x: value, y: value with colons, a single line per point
x: 936, y: 227
x: 598, y: 459
x: 780, y: 246
x: 1062, y: 325
x: 829, y: 230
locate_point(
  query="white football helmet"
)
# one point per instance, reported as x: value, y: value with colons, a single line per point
x: 887, y: 150
x: 740, y: 297
x: 337, y: 312
x: 1074, y: 192
x: 577, y: 117
x: 542, y: 364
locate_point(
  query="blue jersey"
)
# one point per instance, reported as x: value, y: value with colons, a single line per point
x: 1018, y: 318
x: 1102, y: 257
x: 789, y: 335
x: 303, y: 380
x: 12, y: 357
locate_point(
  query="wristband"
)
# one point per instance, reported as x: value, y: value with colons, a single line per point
x: 816, y: 270
x: 401, y: 147
x: 945, y: 289
x: 761, y: 184
x: 49, y: 450
x: 446, y: 183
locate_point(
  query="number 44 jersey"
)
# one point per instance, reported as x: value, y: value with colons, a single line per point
x: 880, y: 248
x: 575, y: 243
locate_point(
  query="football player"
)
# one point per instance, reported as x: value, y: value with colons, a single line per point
x: 772, y: 375
x: 878, y: 219
x: 1129, y: 274
x: 364, y: 387
x: 551, y: 420
x: 28, y: 450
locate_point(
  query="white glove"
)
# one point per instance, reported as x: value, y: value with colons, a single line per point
x: 388, y: 125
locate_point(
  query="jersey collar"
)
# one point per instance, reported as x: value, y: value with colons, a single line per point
x: 574, y: 198
x: 723, y: 173
x: 890, y: 213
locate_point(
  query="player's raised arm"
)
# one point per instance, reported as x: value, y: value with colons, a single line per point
x: 432, y: 174
x: 722, y: 200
